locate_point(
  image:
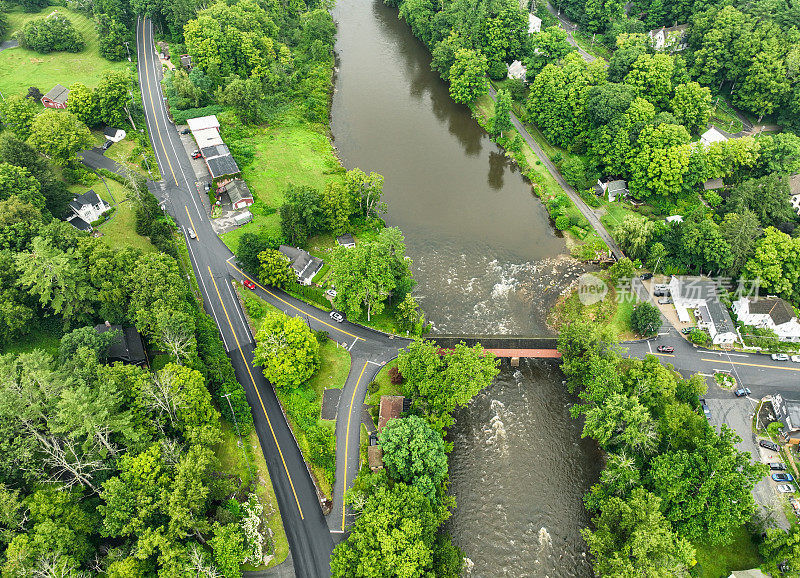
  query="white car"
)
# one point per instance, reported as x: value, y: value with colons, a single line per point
x: 336, y: 316
x: 191, y: 233
x: 331, y: 293
x: 796, y: 358
x: 780, y: 357
x: 785, y: 488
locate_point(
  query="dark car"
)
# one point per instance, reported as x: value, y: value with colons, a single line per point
x: 647, y: 276
x: 687, y: 330
x: 706, y: 410
x: 185, y: 131
x: 665, y: 349
x: 742, y: 391
x: 107, y: 145
x: 782, y: 477
x: 769, y: 445
x: 197, y: 154
x: 249, y: 284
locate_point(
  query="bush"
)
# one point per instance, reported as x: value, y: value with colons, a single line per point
x: 322, y: 449
x: 498, y: 70
x: 52, y: 34
x: 562, y: 222
x: 574, y: 172
x: 395, y: 377
x: 699, y: 337
x: 645, y: 319
x: 373, y: 387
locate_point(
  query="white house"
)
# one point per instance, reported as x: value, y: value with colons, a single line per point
x: 769, y: 313
x: 517, y: 70
x: 701, y: 296
x: 672, y: 38
x: 113, y: 134
x: 794, y: 191
x: 613, y: 187
x: 85, y: 209
x: 712, y: 135
x: 304, y: 264
x: 534, y: 24
x: 674, y: 219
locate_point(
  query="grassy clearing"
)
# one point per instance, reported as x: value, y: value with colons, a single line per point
x: 720, y: 561
x: 21, y: 68
x: 248, y: 464
x: 609, y: 313
x: 267, y: 223
x: 385, y: 387
x: 124, y: 153
x: 723, y: 117
x: 584, y: 40
x: 120, y: 230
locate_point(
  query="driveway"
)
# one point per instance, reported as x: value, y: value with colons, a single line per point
x: 738, y: 414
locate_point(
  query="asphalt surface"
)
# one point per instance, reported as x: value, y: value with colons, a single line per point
x: 306, y: 529
x: 570, y: 27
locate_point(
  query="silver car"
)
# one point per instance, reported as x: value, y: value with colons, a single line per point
x: 786, y: 488
x: 780, y: 357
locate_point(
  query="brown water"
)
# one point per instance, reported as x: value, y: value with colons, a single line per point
x: 487, y: 261
x: 485, y: 256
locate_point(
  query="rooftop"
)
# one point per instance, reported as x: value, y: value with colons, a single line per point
x: 203, y: 122
x: 794, y: 184
x: 217, y: 150
x: 79, y: 223
x: 713, y: 184
x: 391, y: 408
x: 222, y: 166
x: 207, y: 137
x: 712, y: 135
x: 87, y: 198
x: 58, y: 94
x: 778, y: 309
x: 238, y: 190
x: 346, y: 239
x: 128, y: 346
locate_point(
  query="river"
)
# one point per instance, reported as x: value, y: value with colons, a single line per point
x: 486, y: 261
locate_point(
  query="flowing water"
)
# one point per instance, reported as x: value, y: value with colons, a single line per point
x: 486, y: 261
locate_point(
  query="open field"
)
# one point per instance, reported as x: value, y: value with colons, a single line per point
x: 21, y: 68
x: 720, y: 561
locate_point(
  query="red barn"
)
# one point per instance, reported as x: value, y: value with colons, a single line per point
x: 56, y: 98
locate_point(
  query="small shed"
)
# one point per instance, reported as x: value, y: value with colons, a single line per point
x: 243, y: 217
x: 113, y: 134
x: 534, y: 24
x: 711, y: 136
x: 128, y: 347
x: 391, y: 408
x: 517, y: 70
x: 186, y: 61
x: 347, y: 241
x: 56, y: 97
x: 713, y: 185
x: 375, y: 458
x: 239, y: 194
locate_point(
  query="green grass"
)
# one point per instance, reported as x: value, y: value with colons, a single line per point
x: 248, y: 462
x: 596, y: 49
x: 120, y: 230
x: 615, y: 213
x: 21, y: 68
x: 720, y: 561
x: 723, y: 117
x: 385, y: 387
x: 267, y: 223
x: 122, y: 152
x: 333, y: 370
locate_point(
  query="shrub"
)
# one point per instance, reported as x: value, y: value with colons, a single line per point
x: 645, y: 319
x: 699, y: 337
x: 562, y: 222
x: 52, y: 34
x: 498, y: 70
x: 322, y: 449
x: 395, y: 377
x: 574, y: 172
x: 373, y: 387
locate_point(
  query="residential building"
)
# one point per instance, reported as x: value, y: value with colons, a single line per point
x: 794, y: 191
x: 701, y: 296
x: 304, y: 264
x: 674, y: 38
x: 238, y: 193
x: 113, y: 134
x: 57, y: 97
x: 186, y: 61
x: 769, y: 313
x: 85, y: 209
x: 391, y: 408
x: 534, y: 24
x: 612, y: 187
x: 128, y: 347
x: 220, y: 163
x: 713, y: 185
x: 347, y: 241
x: 711, y: 136
x: 674, y: 219
x: 517, y: 70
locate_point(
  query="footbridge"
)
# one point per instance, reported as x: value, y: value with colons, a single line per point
x: 503, y: 346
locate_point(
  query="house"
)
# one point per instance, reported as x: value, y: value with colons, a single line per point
x: 534, y: 24
x: 674, y: 219
x: 769, y: 313
x: 128, y: 347
x: 164, y: 50
x: 375, y: 458
x: 85, y: 209
x: 794, y: 191
x: 347, y: 241
x: 203, y: 122
x: 674, y: 38
x: 222, y: 166
x: 700, y: 295
x: 56, y: 98
x: 391, y: 408
x: 239, y: 194
x: 186, y: 61
x: 612, y: 187
x: 712, y: 135
x: 207, y: 138
x: 114, y: 134
x: 304, y: 264
x: 517, y: 70
x: 754, y: 573
x: 713, y: 185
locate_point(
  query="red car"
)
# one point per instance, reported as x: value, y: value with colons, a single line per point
x: 197, y: 154
x: 249, y: 284
x: 665, y: 349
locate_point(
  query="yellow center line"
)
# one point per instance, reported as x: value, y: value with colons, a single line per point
x: 347, y: 438
x: 152, y: 104
x: 289, y: 304
x: 662, y: 354
x: 261, y: 401
x: 753, y: 364
x: 190, y: 218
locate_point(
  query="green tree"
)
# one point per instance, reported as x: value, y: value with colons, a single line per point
x: 17, y: 114
x: 691, y: 105
x: 250, y: 246
x: 99, y: 343
x: 414, y: 453
x: 632, y: 537
x: 768, y: 197
x: 275, y: 269
x: 501, y: 121
x: 781, y: 153
x: 781, y: 546
x: 408, y: 314
x: 287, y: 350
x: 645, y: 319
x: 83, y: 104
x: 59, y: 135
x: 651, y: 78
x: 113, y: 93
x: 443, y: 54
x: 622, y: 423
x: 703, y: 247
x: 707, y: 493
x: 546, y: 47
x: 634, y: 235
x: 19, y: 182
x: 622, y: 269
x: 338, y: 206
x: 56, y: 33
x: 228, y: 548
x: 365, y: 190
x: 776, y: 263
x: 468, y: 76
x: 741, y: 231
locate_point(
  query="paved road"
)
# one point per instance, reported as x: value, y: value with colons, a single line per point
x: 570, y: 27
x: 307, y: 532
x: 585, y: 209
x: 6, y: 44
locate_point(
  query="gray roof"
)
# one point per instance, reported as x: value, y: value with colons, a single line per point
x: 58, y: 94
x: 778, y: 309
x: 719, y: 315
x: 128, y: 347
x: 713, y: 184
x: 794, y: 184
x: 87, y: 198
x: 617, y: 186
x: 79, y: 223
x: 303, y: 263
x: 222, y: 166
x: 215, y: 151
x: 238, y: 190
x: 346, y: 239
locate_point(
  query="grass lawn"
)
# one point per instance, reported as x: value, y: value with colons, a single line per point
x: 267, y: 223
x: 333, y: 370
x: 21, y: 68
x: 723, y: 117
x: 247, y: 462
x: 385, y: 387
x: 120, y: 230
x: 720, y: 561
x: 615, y: 213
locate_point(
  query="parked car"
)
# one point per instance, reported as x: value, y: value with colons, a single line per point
x: 795, y: 358
x: 777, y: 466
x: 249, y: 284
x: 191, y: 233
x: 706, y: 409
x: 336, y: 316
x: 786, y: 488
x: 687, y: 330
x: 665, y: 349
x: 772, y: 446
x: 647, y: 276
x: 331, y: 293
x: 107, y: 145
x: 185, y: 131
x: 742, y: 392
x: 665, y: 301
x: 780, y: 357
x: 782, y: 477
x: 197, y: 154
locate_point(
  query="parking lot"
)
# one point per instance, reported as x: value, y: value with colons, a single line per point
x: 737, y: 413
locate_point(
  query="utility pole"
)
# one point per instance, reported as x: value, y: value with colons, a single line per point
x: 128, y: 49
